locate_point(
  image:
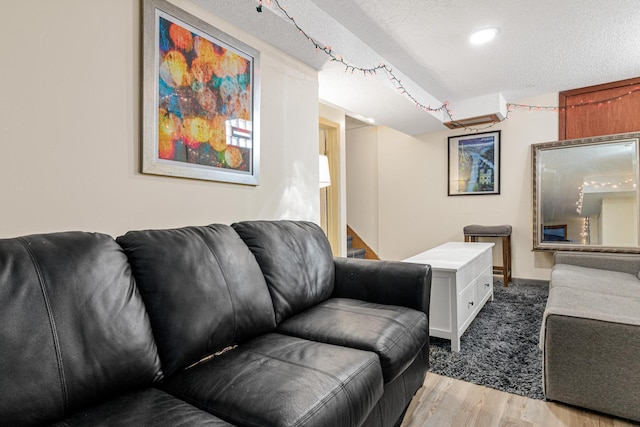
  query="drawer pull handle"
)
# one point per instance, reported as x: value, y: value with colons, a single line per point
x: 470, y: 302
x: 486, y: 284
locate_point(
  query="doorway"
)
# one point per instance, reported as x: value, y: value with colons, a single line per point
x: 329, y: 145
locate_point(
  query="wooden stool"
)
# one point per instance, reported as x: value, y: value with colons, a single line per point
x: 471, y: 234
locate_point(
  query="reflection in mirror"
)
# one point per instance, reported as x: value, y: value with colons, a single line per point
x: 585, y: 194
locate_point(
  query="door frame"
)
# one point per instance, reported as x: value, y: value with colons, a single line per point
x: 333, y: 191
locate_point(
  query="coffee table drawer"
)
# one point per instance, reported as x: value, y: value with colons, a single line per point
x: 467, y: 303
x: 484, y: 284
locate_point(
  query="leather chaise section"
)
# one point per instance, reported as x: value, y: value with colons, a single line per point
x: 296, y: 260
x: 277, y: 380
x: 148, y: 407
x: 202, y: 287
x: 395, y: 333
x: 73, y: 328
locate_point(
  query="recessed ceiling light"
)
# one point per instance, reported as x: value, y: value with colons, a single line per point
x: 483, y: 36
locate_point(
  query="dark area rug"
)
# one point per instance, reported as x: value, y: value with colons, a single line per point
x: 500, y: 347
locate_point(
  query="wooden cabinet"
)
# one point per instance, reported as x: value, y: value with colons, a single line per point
x: 600, y: 110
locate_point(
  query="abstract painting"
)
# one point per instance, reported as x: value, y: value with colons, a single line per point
x: 200, y: 86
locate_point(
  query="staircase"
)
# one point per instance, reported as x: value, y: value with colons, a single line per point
x: 354, y: 252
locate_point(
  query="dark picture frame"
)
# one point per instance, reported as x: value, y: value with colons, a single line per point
x: 474, y: 164
x: 554, y: 233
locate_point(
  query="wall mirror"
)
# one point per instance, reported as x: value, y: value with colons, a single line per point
x: 585, y: 194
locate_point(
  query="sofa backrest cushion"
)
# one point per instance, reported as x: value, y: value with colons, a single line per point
x: 203, y: 289
x: 296, y: 260
x: 73, y: 329
x: 625, y: 263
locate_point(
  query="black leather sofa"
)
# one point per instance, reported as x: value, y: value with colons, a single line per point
x: 254, y: 324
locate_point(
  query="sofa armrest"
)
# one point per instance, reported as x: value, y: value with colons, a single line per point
x: 626, y: 263
x: 383, y: 282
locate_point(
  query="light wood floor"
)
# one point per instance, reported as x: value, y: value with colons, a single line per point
x: 443, y: 402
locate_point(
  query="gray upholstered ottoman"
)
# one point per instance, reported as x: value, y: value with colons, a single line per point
x: 590, y: 333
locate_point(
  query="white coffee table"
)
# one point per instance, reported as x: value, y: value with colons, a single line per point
x: 461, y: 283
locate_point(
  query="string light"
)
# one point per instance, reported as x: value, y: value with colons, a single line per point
x: 568, y: 107
x: 586, y: 231
x: 619, y: 184
x: 399, y: 86
x: 580, y: 199
x: 259, y: 8
x: 350, y: 68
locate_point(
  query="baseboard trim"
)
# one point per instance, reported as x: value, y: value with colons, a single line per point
x: 522, y: 281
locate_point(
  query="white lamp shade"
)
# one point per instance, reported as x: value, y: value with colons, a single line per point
x: 325, y: 177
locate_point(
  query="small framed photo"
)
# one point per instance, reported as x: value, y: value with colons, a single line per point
x: 200, y: 99
x: 474, y: 164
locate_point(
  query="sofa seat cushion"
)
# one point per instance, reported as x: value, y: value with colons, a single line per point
x: 148, y: 407
x: 277, y: 380
x: 595, y: 280
x: 572, y: 302
x: 396, y: 334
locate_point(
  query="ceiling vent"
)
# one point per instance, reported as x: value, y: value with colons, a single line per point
x: 481, y: 110
x: 472, y: 121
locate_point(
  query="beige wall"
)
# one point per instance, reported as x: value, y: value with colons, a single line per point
x: 413, y: 210
x: 617, y: 211
x: 363, y: 183
x: 70, y: 128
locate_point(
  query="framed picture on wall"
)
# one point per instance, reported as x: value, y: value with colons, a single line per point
x: 474, y: 164
x: 200, y: 102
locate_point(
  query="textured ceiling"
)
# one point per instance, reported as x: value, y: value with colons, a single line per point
x: 543, y: 46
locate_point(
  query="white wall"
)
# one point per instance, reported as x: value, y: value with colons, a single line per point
x: 414, y: 212
x: 70, y: 128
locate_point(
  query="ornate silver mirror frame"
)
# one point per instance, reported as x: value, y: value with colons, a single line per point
x: 585, y: 194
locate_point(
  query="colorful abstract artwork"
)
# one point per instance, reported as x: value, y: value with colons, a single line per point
x: 203, y: 96
x: 474, y: 164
